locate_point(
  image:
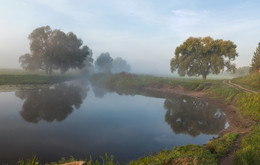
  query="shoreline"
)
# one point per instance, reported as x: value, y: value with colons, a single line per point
x: 237, y: 123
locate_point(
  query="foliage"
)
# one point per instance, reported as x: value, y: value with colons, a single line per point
x: 29, y: 161
x: 107, y: 64
x: 104, y: 62
x: 256, y: 60
x: 120, y: 65
x: 53, y: 49
x: 251, y: 81
x: 222, y: 146
x: 202, y: 56
x: 249, y: 105
x: 250, y: 149
x: 188, y: 154
x: 243, y: 71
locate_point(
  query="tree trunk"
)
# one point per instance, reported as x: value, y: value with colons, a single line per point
x: 204, y: 77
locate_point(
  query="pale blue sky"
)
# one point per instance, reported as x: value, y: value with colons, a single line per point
x: 145, y: 33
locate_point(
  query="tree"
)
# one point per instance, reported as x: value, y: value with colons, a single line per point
x: 256, y: 60
x: 120, y: 65
x: 243, y: 71
x: 202, y: 56
x: 104, y: 62
x: 53, y: 49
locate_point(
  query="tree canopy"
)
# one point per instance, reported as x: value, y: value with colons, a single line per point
x: 256, y: 60
x: 53, y: 49
x: 120, y: 65
x: 202, y: 56
x: 103, y: 62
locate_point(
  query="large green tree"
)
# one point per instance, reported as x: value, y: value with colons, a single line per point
x: 202, y: 56
x: 256, y: 60
x: 53, y: 49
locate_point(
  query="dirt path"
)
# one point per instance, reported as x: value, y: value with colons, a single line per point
x: 238, y: 86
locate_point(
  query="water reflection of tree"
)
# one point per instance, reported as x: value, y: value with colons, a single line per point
x: 99, y: 91
x: 54, y: 103
x: 192, y: 116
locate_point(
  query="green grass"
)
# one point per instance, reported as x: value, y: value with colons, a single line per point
x: 24, y: 79
x: 251, y: 81
x: 106, y: 160
x: 118, y: 81
x: 13, y: 79
x: 250, y: 149
x: 189, y: 154
x: 222, y: 146
x: 249, y: 105
x: 29, y: 161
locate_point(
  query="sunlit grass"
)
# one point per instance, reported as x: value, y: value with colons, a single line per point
x: 188, y: 154
x: 251, y: 81
x: 104, y: 160
x: 250, y: 149
x: 222, y: 146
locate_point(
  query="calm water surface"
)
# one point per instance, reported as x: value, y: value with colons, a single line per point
x: 80, y: 120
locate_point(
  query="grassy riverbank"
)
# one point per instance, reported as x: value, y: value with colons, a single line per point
x: 20, y: 77
x: 248, y: 104
x: 251, y: 81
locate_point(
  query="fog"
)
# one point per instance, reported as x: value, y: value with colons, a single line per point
x: 145, y: 34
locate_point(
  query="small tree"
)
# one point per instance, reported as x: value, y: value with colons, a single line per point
x: 256, y: 60
x: 202, y: 56
x: 120, y: 65
x: 104, y: 62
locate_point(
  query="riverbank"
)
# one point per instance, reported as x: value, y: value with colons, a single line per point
x: 241, y: 108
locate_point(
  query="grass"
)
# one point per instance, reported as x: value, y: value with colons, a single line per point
x: 223, y: 145
x: 188, y: 154
x: 29, y: 161
x: 13, y: 79
x: 249, y: 105
x: 251, y: 81
x: 106, y: 160
x: 250, y: 149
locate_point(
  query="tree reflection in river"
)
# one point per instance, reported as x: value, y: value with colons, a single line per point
x: 53, y: 103
x: 193, y: 116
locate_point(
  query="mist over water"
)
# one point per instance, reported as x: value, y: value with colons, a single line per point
x: 78, y: 119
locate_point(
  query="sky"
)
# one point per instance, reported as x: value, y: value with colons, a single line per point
x: 145, y: 33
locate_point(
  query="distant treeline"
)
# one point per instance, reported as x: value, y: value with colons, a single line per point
x: 55, y: 50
